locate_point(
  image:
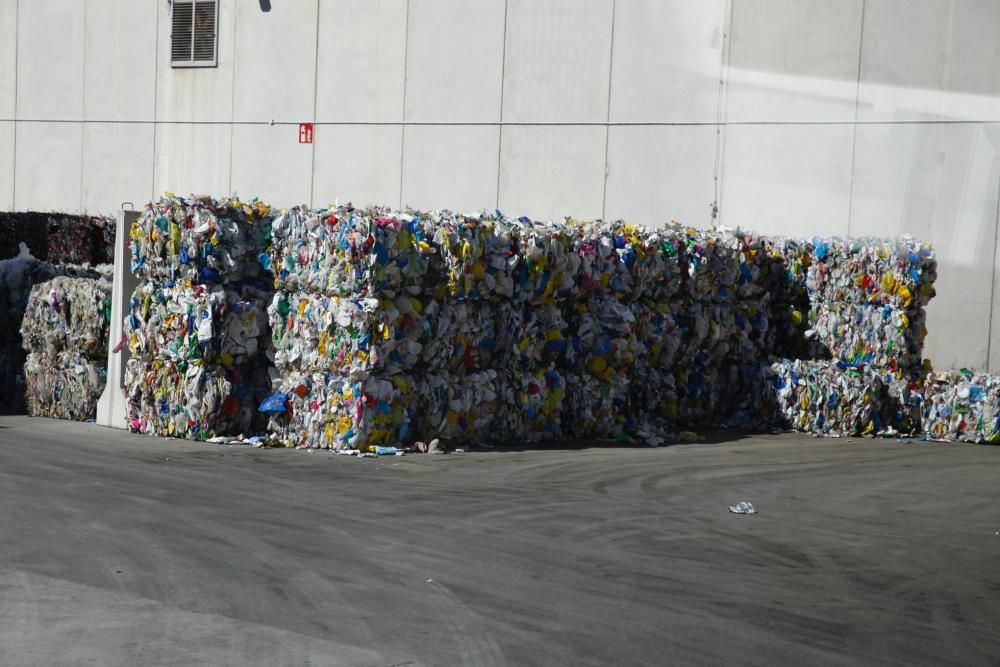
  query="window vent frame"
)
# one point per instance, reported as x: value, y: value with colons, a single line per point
x: 195, y: 42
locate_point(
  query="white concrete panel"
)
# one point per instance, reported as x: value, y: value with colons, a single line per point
x: 937, y: 183
x: 454, y: 60
x: 665, y: 65
x: 659, y: 174
x: 787, y: 179
x: 930, y: 59
x: 270, y: 163
x: 199, y: 93
x: 450, y: 167
x: 558, y: 61
x: 6, y: 165
x: 361, y: 70
x: 49, y: 79
x: 275, y: 62
x: 549, y: 172
x: 120, y: 65
x: 8, y: 59
x: 793, y: 60
x: 994, y: 341
x: 357, y: 163
x: 47, y: 177
x: 192, y: 158
x: 117, y: 166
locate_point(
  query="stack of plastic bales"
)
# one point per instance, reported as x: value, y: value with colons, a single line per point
x: 349, y: 322
x: 730, y: 282
x: 962, y: 406
x: 510, y: 277
x: 17, y: 277
x: 391, y: 326
x: 196, y: 325
x: 867, y: 308
x: 65, y: 332
x: 623, y: 324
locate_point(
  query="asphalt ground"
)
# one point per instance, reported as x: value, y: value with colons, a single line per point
x: 125, y: 550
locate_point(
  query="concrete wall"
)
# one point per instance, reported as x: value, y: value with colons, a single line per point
x: 791, y: 116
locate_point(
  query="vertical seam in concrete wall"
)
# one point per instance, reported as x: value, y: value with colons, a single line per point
x: 312, y: 146
x: 993, y: 286
x: 503, y: 75
x: 854, y: 126
x: 156, y: 94
x: 721, y: 108
x: 17, y: 46
x: 607, y: 126
x: 83, y: 100
x: 402, y: 129
x: 232, y: 95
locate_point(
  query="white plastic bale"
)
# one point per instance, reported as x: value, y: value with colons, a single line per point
x: 68, y: 314
x: 962, y: 406
x: 896, y: 272
x: 350, y: 252
x: 193, y: 400
x: 199, y: 240
x: 63, y: 385
x: 827, y: 397
x: 198, y: 322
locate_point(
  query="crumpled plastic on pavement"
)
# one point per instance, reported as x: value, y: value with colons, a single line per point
x: 68, y: 314
x: 827, y: 397
x: 64, y: 385
x: 224, y: 325
x: 192, y: 400
x: 200, y: 240
x: 962, y: 406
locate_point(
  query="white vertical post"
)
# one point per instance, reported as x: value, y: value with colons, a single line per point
x: 111, y: 408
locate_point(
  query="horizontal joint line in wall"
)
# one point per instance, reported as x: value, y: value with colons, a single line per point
x: 744, y: 123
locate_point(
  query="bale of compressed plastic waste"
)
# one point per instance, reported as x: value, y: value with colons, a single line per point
x: 962, y: 406
x: 199, y: 240
x: 64, y: 330
x: 63, y: 385
x: 18, y: 276
x: 197, y: 325
x: 868, y: 299
x: 829, y: 398
x: 68, y: 314
x: 225, y: 325
x: 897, y: 272
x: 881, y: 335
x: 193, y: 400
x: 351, y: 252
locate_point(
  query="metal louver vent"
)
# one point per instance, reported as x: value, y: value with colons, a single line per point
x: 192, y: 38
